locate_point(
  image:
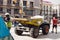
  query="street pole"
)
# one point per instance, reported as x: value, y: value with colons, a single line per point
x: 44, y: 12
x: 47, y: 14
x: 41, y: 7
x: 56, y: 12
x: 21, y: 9
x: 59, y: 10
x: 50, y: 13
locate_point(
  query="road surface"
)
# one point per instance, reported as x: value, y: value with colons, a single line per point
x: 26, y: 36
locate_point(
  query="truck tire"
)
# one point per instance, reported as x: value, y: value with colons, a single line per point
x: 34, y: 32
x: 18, y: 32
x: 45, y: 29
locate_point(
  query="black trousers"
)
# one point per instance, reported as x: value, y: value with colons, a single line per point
x: 55, y: 26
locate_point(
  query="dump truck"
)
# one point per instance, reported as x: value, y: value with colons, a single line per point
x: 33, y: 25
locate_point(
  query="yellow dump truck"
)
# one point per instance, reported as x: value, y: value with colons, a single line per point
x: 32, y: 25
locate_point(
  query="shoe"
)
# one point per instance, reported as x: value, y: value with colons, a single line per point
x: 52, y: 31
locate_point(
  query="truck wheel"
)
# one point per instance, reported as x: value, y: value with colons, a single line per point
x: 34, y: 32
x: 18, y: 32
x: 45, y: 29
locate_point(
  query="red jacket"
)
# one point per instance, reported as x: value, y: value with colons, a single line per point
x: 55, y: 21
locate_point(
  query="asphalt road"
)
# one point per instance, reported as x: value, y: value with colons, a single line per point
x: 26, y: 36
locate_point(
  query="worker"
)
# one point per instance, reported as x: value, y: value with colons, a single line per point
x: 16, y: 22
x: 55, y: 21
x: 8, y: 20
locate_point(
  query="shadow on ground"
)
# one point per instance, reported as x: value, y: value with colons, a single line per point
x: 50, y: 36
x: 41, y: 36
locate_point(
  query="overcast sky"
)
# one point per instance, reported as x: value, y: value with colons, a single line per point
x: 54, y: 1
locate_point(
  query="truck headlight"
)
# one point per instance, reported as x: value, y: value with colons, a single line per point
x: 39, y: 22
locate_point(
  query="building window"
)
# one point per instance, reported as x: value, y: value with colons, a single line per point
x: 9, y: 2
x: 31, y: 4
x: 1, y: 10
x: 24, y: 3
x: 17, y: 4
x: 1, y: 2
x: 16, y: 11
x: 29, y: 12
x: 9, y: 11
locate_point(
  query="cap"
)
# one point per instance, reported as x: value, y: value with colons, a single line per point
x: 7, y: 14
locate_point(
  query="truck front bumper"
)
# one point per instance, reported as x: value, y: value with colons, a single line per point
x: 22, y: 28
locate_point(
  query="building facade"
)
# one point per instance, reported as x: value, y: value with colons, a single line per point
x: 29, y: 7
x: 47, y: 10
x: 8, y: 6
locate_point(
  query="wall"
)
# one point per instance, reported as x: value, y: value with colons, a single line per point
x: 37, y: 7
